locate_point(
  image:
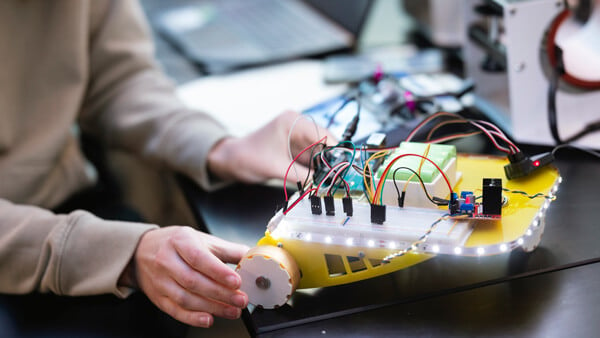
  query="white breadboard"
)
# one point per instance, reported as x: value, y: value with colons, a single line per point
x: 415, y: 195
x: 402, y: 227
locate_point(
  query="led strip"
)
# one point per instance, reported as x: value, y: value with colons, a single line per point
x: 528, y: 241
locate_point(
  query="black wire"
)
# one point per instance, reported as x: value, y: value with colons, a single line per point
x: 310, y: 165
x: 590, y: 128
x: 557, y: 72
x: 369, y: 178
x: 552, y: 89
x: 352, y: 125
x: 346, y: 101
x: 589, y: 151
x: 422, y: 184
x: 312, y: 160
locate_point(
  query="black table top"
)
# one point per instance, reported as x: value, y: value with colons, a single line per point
x: 445, y: 295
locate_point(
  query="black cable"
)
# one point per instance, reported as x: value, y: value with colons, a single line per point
x: 349, y: 99
x: 352, y: 125
x: 552, y: 89
x: 310, y: 164
x: 588, y: 151
x: 440, y: 202
x: 557, y: 72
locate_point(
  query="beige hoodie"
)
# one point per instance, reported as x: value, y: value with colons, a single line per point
x: 87, y: 63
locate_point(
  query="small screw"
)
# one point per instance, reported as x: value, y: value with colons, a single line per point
x: 263, y: 282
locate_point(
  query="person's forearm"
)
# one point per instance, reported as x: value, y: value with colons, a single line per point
x: 221, y: 158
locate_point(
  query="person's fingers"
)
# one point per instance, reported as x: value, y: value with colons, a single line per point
x: 194, y: 318
x: 204, y: 261
x: 185, y: 300
x: 226, y: 251
x: 201, y: 285
x: 181, y: 290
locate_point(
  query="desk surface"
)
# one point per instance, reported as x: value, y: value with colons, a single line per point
x: 518, y: 293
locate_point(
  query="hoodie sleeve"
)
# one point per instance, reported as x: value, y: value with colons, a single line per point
x: 74, y: 254
x: 131, y: 105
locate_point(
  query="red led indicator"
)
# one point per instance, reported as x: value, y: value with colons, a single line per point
x: 536, y: 163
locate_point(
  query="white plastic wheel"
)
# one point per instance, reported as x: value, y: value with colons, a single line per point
x: 270, y: 276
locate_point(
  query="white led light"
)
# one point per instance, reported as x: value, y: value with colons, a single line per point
x: 328, y: 239
x: 392, y: 245
x: 371, y: 243
x: 458, y: 250
x: 349, y: 241
x: 480, y: 251
x: 503, y: 247
x: 528, y: 232
x: 559, y: 179
x: 536, y: 223
x: 435, y: 248
x: 520, y: 241
x: 540, y: 214
x: 308, y: 237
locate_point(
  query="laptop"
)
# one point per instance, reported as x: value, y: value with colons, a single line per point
x: 222, y: 35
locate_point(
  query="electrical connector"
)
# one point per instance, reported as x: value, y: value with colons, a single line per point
x: 401, y: 199
x: 315, y: 205
x: 521, y: 166
x: 300, y: 187
x: 347, y: 204
x: 377, y: 213
x: 329, y: 206
x: 350, y: 129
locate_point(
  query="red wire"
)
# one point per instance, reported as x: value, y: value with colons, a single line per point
x: 425, y: 121
x: 336, y: 167
x: 298, y: 200
x: 337, y: 174
x: 501, y: 135
x: 452, y: 137
x: 489, y: 133
x: 324, y: 139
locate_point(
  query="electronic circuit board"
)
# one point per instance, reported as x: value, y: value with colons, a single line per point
x: 338, y: 248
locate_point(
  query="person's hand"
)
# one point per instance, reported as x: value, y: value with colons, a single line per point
x: 183, y: 272
x: 264, y: 153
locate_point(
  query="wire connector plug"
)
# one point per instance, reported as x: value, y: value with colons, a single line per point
x: 377, y: 213
x: 521, y: 166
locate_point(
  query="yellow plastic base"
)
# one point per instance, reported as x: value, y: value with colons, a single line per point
x: 350, y: 264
